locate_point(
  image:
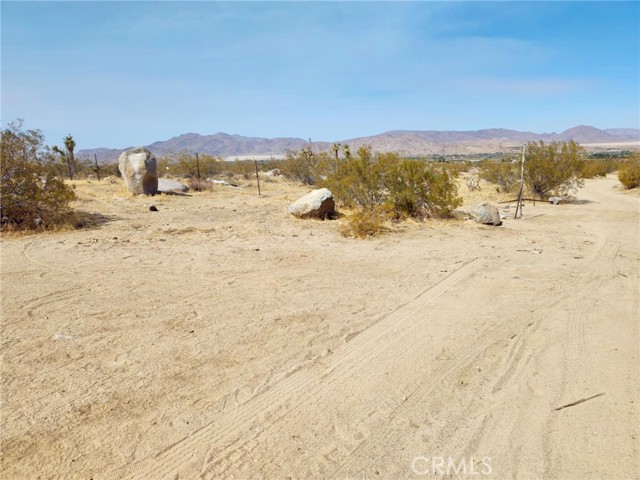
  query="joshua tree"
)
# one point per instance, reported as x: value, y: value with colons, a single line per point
x: 67, y: 155
x: 347, y: 152
x: 336, y: 148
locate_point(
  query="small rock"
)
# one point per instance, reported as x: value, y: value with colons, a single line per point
x: 153, y: 208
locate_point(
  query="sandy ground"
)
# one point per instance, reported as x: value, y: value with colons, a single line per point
x: 220, y: 338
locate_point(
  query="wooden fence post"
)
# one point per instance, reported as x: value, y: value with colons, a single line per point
x: 258, y: 177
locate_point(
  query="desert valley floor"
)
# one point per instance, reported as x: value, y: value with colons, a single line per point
x: 221, y: 338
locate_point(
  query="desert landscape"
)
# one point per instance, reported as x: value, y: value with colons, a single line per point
x: 219, y: 337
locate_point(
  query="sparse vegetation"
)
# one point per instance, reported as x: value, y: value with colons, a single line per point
x: 629, y: 172
x: 31, y: 195
x: 364, y: 223
x: 598, y: 167
x: 473, y: 183
x: 383, y: 185
x: 554, y: 168
x: 504, y: 174
x: 186, y: 164
x: 244, y: 168
x: 304, y: 166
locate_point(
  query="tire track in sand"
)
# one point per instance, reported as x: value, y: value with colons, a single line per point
x: 48, y: 267
x: 198, y: 452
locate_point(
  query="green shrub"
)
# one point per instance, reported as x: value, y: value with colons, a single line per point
x: 244, y: 168
x: 504, y: 174
x: 418, y: 190
x: 383, y: 185
x: 185, y: 164
x: 360, y: 181
x: 554, y: 168
x: 629, y: 173
x: 31, y: 195
x: 307, y: 166
x: 592, y: 168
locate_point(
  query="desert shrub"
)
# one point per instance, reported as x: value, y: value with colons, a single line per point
x: 186, y: 164
x: 364, y: 222
x: 457, y: 166
x: 416, y: 189
x: 244, y: 168
x: 383, y: 185
x: 629, y: 173
x: 31, y: 195
x: 114, y: 169
x: 305, y: 166
x: 504, y: 174
x: 592, y: 168
x: 554, y: 168
x: 473, y: 183
x: 360, y: 180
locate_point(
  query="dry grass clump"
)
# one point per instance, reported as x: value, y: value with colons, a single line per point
x: 364, y: 223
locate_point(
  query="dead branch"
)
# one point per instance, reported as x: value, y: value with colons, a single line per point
x: 577, y: 402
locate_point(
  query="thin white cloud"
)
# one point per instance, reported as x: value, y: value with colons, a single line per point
x: 477, y: 85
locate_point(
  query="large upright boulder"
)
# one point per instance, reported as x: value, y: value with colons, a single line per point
x: 317, y: 203
x: 139, y: 171
x: 487, y: 214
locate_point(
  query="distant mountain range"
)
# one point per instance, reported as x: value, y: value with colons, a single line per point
x: 406, y: 142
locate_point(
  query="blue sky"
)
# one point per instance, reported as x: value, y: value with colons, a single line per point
x: 117, y: 74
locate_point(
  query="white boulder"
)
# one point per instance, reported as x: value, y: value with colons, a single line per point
x: 139, y: 171
x: 317, y: 203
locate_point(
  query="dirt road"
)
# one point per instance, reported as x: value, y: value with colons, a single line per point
x: 225, y: 340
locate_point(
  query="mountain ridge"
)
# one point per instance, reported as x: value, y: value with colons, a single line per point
x: 406, y: 142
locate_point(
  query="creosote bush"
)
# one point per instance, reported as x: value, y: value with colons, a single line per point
x: 554, y: 168
x: 31, y: 195
x: 305, y: 166
x: 384, y: 186
x: 629, y: 172
x: 592, y: 168
x: 504, y: 174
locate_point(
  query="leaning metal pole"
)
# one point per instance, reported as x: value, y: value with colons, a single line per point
x: 519, y: 204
